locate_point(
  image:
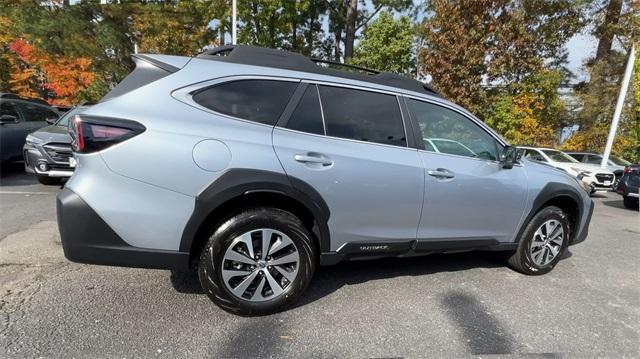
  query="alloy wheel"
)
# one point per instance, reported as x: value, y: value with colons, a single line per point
x: 547, y: 242
x: 260, y: 265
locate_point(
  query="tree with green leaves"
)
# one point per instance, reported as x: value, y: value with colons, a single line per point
x: 387, y: 45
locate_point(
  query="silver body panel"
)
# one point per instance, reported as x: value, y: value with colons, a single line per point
x: 145, y: 189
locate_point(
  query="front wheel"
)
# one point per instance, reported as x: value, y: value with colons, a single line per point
x: 258, y: 262
x: 542, y: 243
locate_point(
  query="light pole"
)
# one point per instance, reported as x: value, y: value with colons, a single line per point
x: 616, y: 115
x: 233, y: 22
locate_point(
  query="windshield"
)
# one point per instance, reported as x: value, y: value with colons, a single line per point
x: 558, y: 156
x: 619, y: 161
x: 64, y: 120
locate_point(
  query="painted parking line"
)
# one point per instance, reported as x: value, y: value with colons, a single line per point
x: 25, y: 193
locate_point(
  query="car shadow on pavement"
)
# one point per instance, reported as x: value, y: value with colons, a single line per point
x: 481, y: 331
x: 616, y: 203
x: 13, y: 174
x: 329, y: 279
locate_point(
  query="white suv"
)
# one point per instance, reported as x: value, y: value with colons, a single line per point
x: 596, y: 177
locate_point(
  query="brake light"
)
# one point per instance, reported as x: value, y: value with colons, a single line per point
x: 91, y: 134
x: 627, y: 169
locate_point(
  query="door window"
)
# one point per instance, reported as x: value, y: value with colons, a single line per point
x: 447, y: 131
x: 534, y: 156
x: 307, y: 117
x: 9, y: 108
x: 33, y: 112
x: 255, y: 100
x: 594, y: 159
x: 362, y: 115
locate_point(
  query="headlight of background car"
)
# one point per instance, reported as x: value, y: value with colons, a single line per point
x: 33, y: 140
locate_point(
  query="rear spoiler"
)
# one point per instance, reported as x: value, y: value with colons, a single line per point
x: 149, y: 68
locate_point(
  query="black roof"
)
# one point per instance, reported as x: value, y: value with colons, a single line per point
x: 259, y: 56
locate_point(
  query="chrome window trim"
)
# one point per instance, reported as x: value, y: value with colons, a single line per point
x: 324, y: 124
x: 368, y: 89
x: 346, y: 139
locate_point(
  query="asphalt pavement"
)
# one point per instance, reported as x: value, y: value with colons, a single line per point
x: 455, y: 305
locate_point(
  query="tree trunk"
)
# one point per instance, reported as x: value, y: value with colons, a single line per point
x: 312, y: 23
x: 336, y: 45
x: 606, y: 36
x: 350, y: 31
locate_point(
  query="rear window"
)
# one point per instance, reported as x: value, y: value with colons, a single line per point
x: 362, y: 115
x: 255, y: 100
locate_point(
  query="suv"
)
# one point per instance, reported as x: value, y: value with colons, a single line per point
x: 597, y: 178
x: 47, y: 151
x: 615, y: 164
x: 256, y: 165
x: 18, y: 117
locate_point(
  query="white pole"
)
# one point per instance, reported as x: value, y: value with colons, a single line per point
x: 233, y: 22
x: 616, y: 115
x: 135, y: 48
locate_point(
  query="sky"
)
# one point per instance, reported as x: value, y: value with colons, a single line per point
x: 580, y: 47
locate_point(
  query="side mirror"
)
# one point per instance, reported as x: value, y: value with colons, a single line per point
x: 5, y: 119
x: 51, y: 120
x: 508, y: 157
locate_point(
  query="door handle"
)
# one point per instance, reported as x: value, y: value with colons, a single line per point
x: 313, y: 159
x: 440, y: 173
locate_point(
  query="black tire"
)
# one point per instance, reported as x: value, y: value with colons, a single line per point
x: 631, y: 202
x: 49, y: 181
x: 521, y: 259
x: 211, y: 258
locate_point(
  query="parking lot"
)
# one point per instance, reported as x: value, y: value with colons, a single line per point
x: 442, y: 305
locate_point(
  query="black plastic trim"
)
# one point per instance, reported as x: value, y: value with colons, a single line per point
x: 237, y: 182
x: 584, y: 232
x: 370, y: 250
x: 86, y: 238
x: 292, y: 104
x: 550, y: 191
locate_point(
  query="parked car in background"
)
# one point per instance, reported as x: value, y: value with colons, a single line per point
x: 597, y: 178
x: 19, y: 117
x: 47, y: 151
x: 257, y: 166
x: 615, y: 164
x: 629, y: 185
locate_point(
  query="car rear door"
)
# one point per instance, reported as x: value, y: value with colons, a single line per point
x: 469, y: 197
x: 352, y: 148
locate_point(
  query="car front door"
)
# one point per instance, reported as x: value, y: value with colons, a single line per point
x: 468, y: 195
x: 352, y: 148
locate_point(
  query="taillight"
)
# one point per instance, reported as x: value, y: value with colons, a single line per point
x: 91, y: 133
x: 627, y: 169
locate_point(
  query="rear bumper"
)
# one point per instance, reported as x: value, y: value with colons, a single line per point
x: 86, y: 238
x: 584, y: 231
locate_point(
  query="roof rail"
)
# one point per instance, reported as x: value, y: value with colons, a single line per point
x: 260, y: 56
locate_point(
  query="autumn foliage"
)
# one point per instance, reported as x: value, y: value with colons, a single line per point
x: 35, y: 71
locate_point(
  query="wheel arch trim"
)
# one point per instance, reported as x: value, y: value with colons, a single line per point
x: 236, y: 183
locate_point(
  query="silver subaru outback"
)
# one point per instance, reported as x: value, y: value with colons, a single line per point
x: 254, y: 166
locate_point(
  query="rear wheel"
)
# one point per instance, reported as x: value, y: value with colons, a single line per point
x: 543, y: 242
x: 258, y: 262
x: 48, y: 181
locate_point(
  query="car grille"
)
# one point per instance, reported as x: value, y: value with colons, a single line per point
x: 60, y: 152
x: 601, y: 177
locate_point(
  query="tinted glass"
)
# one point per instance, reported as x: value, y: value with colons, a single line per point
x: 619, y: 161
x: 594, y: 159
x: 9, y: 108
x: 452, y: 133
x: 578, y: 156
x: 307, y: 116
x: 535, y: 156
x: 362, y: 115
x: 36, y: 113
x: 254, y: 100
